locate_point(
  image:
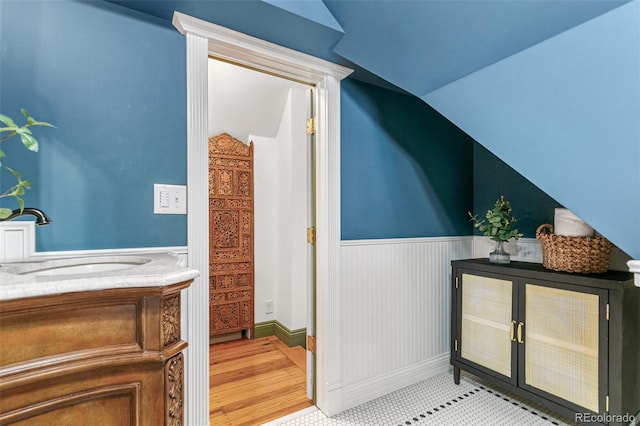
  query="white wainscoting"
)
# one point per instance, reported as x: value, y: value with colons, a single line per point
x: 395, y: 305
x: 395, y: 299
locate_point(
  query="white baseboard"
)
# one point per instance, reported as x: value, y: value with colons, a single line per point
x: 375, y: 387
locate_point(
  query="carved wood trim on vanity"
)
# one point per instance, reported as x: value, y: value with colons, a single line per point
x: 170, y: 320
x: 113, y: 355
x: 174, y: 381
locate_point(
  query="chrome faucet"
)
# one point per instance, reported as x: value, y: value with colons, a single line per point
x: 41, y: 217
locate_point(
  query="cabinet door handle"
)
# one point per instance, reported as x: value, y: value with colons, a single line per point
x: 520, y: 326
x: 512, y: 331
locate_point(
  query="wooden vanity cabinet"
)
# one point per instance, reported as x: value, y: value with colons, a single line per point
x: 570, y: 342
x: 107, y: 357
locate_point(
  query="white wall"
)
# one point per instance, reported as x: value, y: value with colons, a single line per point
x: 271, y: 112
x: 265, y: 178
x: 281, y: 193
x: 293, y: 205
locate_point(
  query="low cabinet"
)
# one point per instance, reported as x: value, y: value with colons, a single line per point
x: 566, y: 341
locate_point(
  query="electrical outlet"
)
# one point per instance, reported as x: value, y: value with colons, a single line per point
x: 169, y: 199
x: 268, y: 307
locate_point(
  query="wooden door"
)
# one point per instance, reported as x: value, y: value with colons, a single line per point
x: 231, y: 265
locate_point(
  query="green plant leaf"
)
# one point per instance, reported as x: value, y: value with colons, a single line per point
x: 41, y: 123
x: 32, y: 121
x: 29, y: 141
x: 8, y: 121
x: 5, y: 212
x: 14, y: 172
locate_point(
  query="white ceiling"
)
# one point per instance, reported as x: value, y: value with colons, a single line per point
x: 243, y: 101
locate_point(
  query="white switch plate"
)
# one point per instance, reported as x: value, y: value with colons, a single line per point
x: 169, y: 199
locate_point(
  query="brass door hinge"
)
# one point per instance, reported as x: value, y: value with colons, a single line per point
x: 311, y: 235
x: 311, y: 344
x: 607, y: 312
x: 455, y: 345
x: 606, y: 404
x: 312, y: 126
x: 457, y: 282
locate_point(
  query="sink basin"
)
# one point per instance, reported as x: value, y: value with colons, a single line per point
x: 80, y: 266
x: 54, y: 276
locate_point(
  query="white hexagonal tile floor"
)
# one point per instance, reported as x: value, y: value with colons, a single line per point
x: 436, y: 401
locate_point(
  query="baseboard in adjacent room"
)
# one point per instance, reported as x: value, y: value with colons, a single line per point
x: 290, y: 338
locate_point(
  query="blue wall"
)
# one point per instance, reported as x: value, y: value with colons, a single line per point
x: 493, y: 178
x: 406, y: 171
x: 113, y: 82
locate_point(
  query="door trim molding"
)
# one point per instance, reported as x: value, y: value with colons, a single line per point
x: 204, y: 39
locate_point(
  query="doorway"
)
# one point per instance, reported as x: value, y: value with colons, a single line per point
x: 270, y: 113
x: 202, y: 40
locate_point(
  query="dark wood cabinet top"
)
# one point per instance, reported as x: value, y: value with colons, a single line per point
x: 609, y: 279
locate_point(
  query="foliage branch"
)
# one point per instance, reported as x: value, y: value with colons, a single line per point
x: 10, y: 130
x: 498, y: 222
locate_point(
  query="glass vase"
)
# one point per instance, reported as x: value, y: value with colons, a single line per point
x: 499, y: 255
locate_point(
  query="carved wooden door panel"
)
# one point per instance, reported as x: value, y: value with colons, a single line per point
x: 231, y: 267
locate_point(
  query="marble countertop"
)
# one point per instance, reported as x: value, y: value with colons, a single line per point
x: 40, y: 278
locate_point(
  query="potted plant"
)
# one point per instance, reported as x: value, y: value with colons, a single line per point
x: 498, y: 226
x: 31, y: 143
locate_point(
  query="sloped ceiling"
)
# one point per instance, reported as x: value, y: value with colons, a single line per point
x: 253, y: 102
x: 423, y: 45
x: 565, y: 114
x: 417, y: 46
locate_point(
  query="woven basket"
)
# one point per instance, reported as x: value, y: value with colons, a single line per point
x: 585, y: 255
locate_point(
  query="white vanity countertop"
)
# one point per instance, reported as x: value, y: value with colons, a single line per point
x: 40, y: 278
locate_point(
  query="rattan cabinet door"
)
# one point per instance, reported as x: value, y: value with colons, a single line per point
x: 564, y: 348
x: 486, y: 323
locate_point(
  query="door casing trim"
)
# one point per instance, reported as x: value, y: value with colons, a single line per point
x: 204, y: 39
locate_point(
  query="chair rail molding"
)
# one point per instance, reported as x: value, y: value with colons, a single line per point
x: 204, y: 40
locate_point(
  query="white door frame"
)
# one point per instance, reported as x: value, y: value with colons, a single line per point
x: 204, y: 39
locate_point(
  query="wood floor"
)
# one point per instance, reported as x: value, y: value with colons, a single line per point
x: 255, y: 381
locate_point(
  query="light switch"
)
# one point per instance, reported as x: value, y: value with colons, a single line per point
x: 169, y: 199
x: 164, y: 198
